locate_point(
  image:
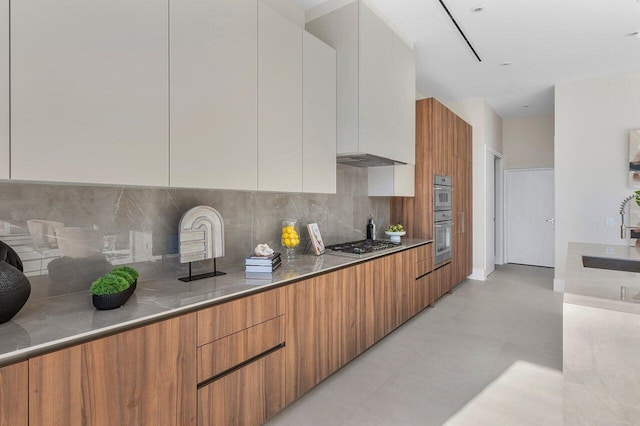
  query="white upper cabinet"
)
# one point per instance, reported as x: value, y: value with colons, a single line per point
x: 397, y: 181
x: 89, y: 91
x: 214, y: 93
x: 4, y: 89
x: 376, y: 86
x: 319, y: 121
x: 279, y: 102
x: 403, y: 101
x: 376, y: 69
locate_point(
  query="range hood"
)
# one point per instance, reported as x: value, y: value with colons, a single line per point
x: 366, y: 160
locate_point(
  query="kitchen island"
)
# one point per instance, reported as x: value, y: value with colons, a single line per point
x: 601, y: 339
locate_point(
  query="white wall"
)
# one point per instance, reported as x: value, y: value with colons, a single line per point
x: 487, y: 131
x: 592, y: 122
x: 528, y: 142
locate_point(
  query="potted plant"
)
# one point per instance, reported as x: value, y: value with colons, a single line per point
x: 114, y: 289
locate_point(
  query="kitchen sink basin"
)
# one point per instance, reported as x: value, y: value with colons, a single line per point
x: 609, y: 263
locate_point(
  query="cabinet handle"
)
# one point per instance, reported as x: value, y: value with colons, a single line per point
x: 462, y: 222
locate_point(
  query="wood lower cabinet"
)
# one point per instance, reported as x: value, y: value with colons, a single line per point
x: 145, y: 376
x: 333, y: 318
x: 315, y: 330
x: 238, y: 362
x: 247, y: 396
x: 14, y: 394
x: 441, y: 282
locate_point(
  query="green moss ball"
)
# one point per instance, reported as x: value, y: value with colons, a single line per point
x: 129, y: 270
x: 109, y: 284
x: 123, y: 274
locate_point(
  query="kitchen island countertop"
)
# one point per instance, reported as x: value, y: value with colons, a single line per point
x: 601, y: 339
x: 50, y: 323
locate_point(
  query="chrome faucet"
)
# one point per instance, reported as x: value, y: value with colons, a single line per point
x: 623, y: 226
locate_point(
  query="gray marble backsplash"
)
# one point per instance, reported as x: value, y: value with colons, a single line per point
x: 76, y: 233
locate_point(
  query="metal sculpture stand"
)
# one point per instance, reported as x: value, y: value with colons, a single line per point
x: 191, y: 277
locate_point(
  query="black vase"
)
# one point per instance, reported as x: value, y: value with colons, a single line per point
x: 14, y: 291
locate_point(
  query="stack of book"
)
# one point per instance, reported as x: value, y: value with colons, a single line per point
x: 262, y: 264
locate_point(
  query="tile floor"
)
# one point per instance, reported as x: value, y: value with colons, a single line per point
x: 429, y: 368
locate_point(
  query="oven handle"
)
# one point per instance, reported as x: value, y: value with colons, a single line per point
x: 447, y: 225
x: 443, y: 188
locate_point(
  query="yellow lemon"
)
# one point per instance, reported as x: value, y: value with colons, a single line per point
x: 287, y: 242
x: 295, y: 242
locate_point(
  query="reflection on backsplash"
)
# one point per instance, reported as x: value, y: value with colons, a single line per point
x: 67, y: 236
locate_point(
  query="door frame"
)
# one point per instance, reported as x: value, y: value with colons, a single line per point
x: 498, y: 207
x: 504, y: 207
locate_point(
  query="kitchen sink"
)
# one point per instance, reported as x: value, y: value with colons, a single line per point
x: 609, y: 263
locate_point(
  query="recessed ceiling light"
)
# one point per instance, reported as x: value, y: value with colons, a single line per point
x: 526, y: 106
x: 478, y: 8
x: 505, y: 64
x: 633, y: 34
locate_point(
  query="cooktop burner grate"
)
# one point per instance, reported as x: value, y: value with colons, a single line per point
x: 360, y: 248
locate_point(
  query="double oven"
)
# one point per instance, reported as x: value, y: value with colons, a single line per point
x: 442, y: 218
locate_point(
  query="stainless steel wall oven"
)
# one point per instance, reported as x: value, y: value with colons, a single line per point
x: 442, y: 218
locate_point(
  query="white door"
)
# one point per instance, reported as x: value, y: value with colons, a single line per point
x: 490, y: 217
x: 529, y: 217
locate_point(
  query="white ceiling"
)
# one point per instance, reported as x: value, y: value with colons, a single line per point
x: 546, y: 42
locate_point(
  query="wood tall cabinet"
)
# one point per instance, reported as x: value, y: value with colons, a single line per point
x: 89, y: 92
x: 462, y: 257
x: 14, y: 396
x: 214, y: 93
x: 142, y: 376
x: 443, y: 146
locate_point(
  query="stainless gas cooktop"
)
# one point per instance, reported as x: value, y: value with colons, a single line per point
x: 361, y: 248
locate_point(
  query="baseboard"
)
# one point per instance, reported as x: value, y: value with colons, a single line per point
x: 558, y: 285
x: 477, y: 274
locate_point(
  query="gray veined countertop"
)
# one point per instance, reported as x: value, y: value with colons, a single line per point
x: 54, y: 322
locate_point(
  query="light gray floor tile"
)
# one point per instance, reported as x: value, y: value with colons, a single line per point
x: 429, y: 368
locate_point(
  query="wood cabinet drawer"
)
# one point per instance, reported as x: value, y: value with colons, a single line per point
x: 423, y: 267
x: 424, y: 260
x: 424, y: 252
x: 223, y: 320
x: 247, y: 396
x: 228, y: 352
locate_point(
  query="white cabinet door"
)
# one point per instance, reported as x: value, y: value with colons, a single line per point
x: 339, y: 29
x: 279, y: 102
x: 4, y: 89
x: 404, y: 95
x: 319, y: 121
x: 214, y: 93
x: 89, y: 91
x: 376, y: 85
x: 392, y: 181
